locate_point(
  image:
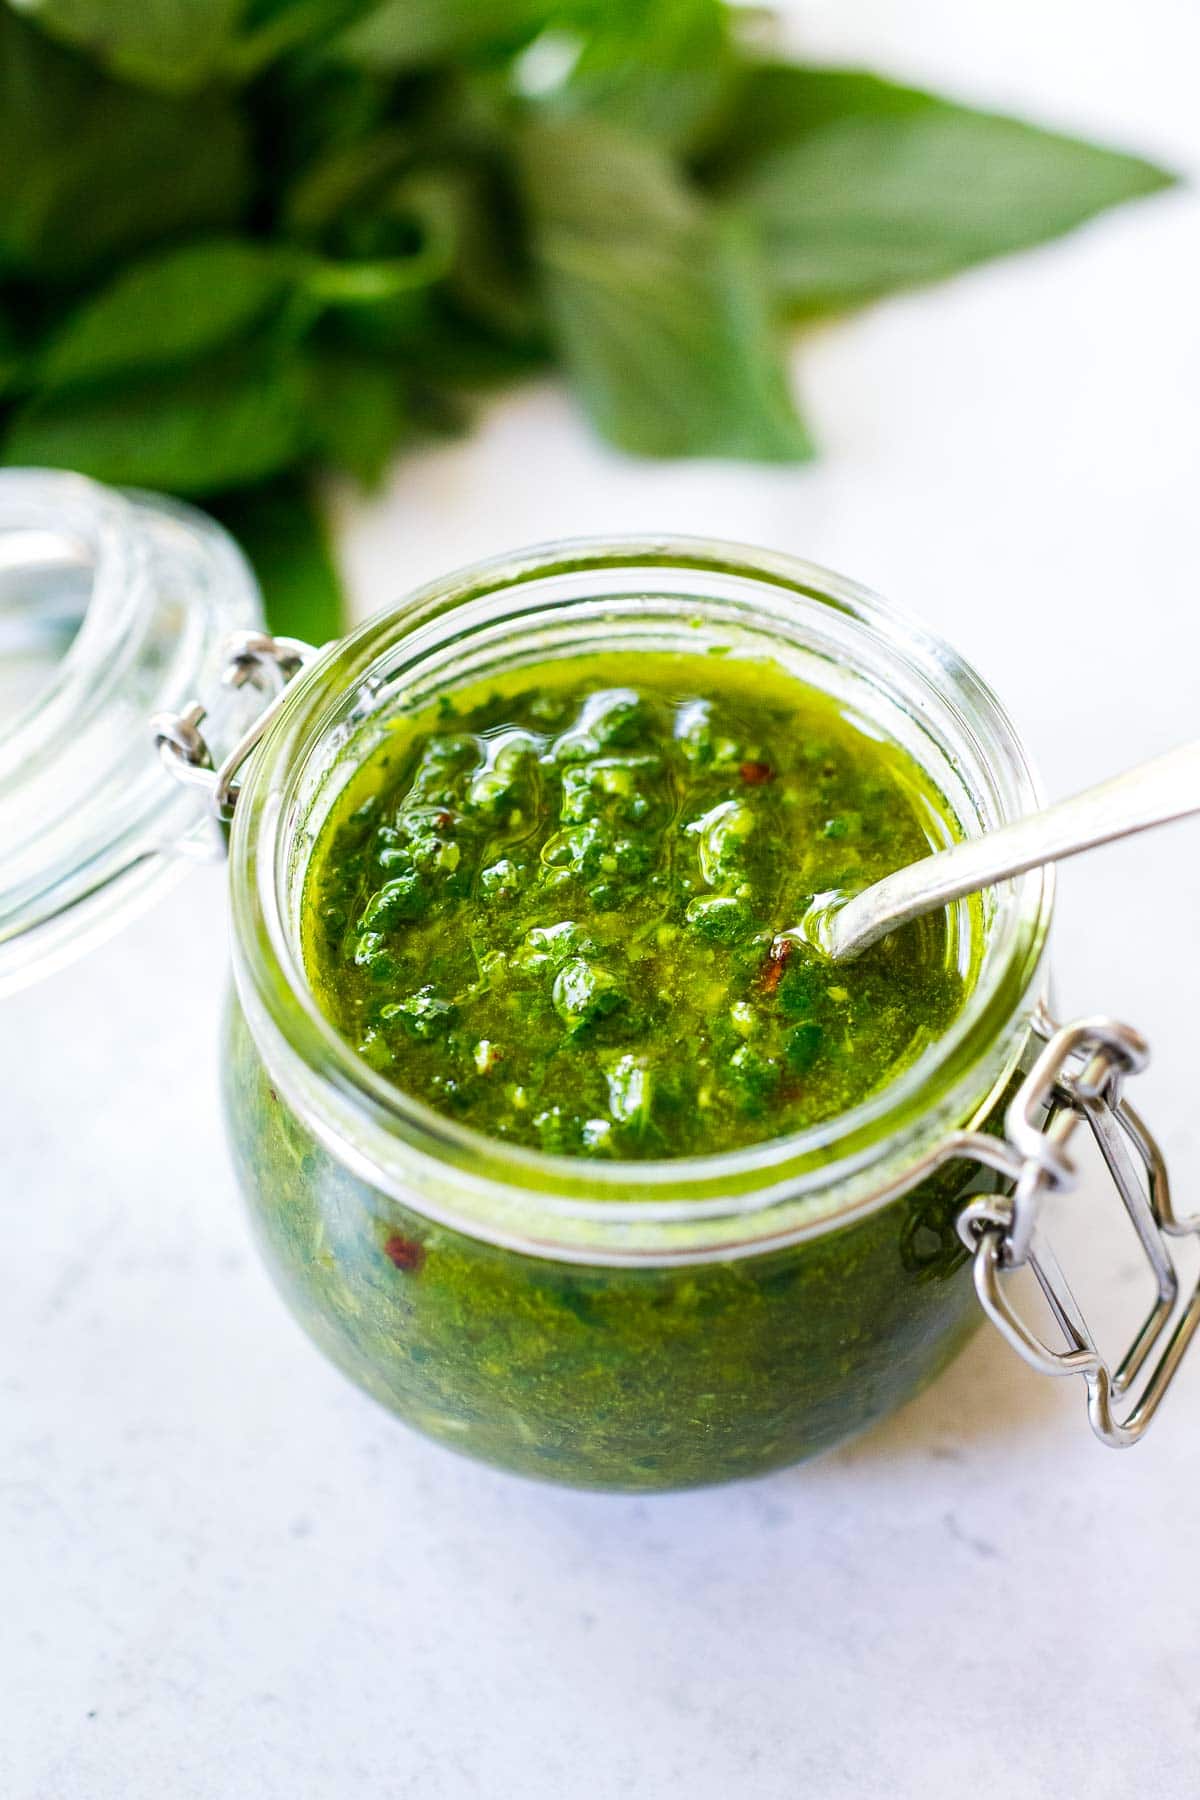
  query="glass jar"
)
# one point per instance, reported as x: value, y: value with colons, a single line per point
x: 112, y: 607
x: 658, y: 1324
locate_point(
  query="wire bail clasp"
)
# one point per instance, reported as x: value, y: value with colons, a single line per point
x: 1078, y: 1078
x: 256, y: 659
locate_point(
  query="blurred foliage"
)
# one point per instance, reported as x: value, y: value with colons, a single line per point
x: 243, y: 240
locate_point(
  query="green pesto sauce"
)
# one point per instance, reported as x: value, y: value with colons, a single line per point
x: 628, y: 1378
x: 549, y: 907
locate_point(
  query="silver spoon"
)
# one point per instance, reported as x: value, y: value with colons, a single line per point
x: 1154, y: 793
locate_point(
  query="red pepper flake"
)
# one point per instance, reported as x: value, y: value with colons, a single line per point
x: 443, y: 820
x: 777, y: 962
x: 404, y: 1253
x: 755, y: 774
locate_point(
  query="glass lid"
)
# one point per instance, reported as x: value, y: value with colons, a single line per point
x: 113, y: 606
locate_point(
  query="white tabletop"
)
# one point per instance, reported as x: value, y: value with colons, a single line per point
x: 226, y: 1574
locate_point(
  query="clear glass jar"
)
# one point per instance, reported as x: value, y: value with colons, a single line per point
x: 629, y: 1325
x: 637, y: 1325
x: 112, y: 607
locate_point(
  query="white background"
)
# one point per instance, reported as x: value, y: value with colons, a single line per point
x: 223, y: 1573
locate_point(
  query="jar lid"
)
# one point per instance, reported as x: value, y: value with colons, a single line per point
x: 113, y: 606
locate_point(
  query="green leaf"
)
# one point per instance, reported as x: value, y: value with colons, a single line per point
x: 861, y: 187
x: 279, y: 526
x: 358, y: 411
x: 273, y: 28
x: 462, y: 223
x: 171, y: 307
x: 229, y: 419
x: 346, y: 176
x: 91, y: 171
x: 657, y: 302
x: 407, y: 243
x: 11, y: 359
x: 210, y: 284
x: 665, y: 71
x: 168, y: 44
x: 410, y: 34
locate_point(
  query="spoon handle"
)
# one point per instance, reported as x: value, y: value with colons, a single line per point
x: 1153, y: 793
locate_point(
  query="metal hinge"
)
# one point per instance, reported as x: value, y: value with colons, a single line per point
x: 1078, y: 1077
x: 253, y: 658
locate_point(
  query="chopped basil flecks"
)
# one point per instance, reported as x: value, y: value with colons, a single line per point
x: 552, y: 907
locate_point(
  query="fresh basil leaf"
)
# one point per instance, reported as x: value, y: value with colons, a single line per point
x: 458, y: 226
x: 228, y: 419
x: 860, y: 186
x: 358, y: 411
x: 271, y: 29
x: 11, y: 359
x: 656, y: 301
x: 454, y: 352
x: 406, y: 241
x: 91, y: 170
x: 468, y: 212
x: 170, y: 307
x: 168, y: 44
x: 411, y: 34
x: 405, y: 198
x: 280, y: 527
x: 666, y: 71
x: 346, y: 177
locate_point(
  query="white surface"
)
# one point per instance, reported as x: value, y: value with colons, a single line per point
x: 224, y: 1574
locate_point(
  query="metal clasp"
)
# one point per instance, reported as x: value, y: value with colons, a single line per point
x: 1077, y: 1078
x: 254, y: 658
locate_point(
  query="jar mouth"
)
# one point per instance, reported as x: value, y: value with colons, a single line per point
x: 827, y: 628
x: 112, y: 606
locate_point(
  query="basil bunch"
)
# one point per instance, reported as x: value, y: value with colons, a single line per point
x: 242, y: 240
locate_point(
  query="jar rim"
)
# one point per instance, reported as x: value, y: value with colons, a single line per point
x: 576, y: 1207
